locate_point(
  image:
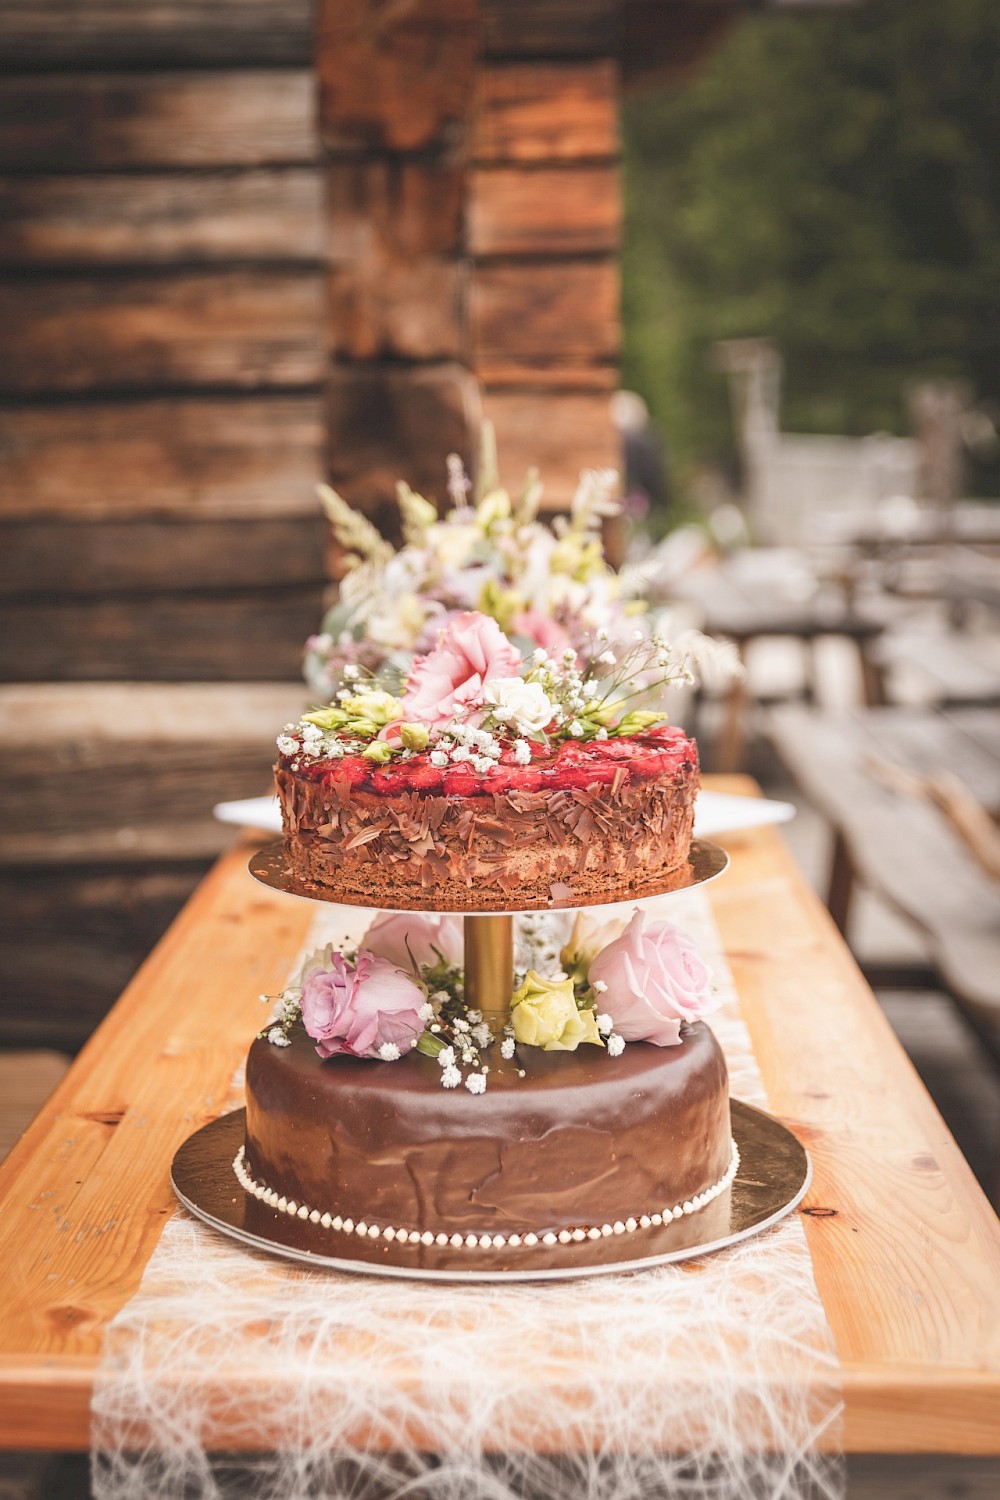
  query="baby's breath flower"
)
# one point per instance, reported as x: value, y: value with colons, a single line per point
x: 476, y: 1083
x: 507, y: 1047
x: 605, y: 1023
x: 450, y: 1078
x: 388, y: 1052
x: 616, y: 1045
x: 446, y: 1057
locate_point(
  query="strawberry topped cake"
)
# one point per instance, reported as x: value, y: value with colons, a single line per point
x: 491, y: 781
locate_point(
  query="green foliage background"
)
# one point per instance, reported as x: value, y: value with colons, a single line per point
x: 832, y: 180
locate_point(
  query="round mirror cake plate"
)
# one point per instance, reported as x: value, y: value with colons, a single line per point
x: 773, y: 1176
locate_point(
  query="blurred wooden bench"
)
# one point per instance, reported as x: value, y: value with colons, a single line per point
x: 26, y: 1081
x: 903, y: 846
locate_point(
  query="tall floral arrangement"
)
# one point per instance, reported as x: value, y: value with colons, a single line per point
x: 546, y: 586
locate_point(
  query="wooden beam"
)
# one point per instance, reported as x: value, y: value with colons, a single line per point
x: 245, y: 328
x: 560, y: 432
x: 74, y: 937
x: 252, y: 635
x: 147, y: 761
x: 178, y: 457
x: 394, y: 421
x: 99, y: 122
x: 145, y: 219
x: 111, y: 557
x: 394, y: 78
x: 564, y: 210
x: 545, y: 112
x: 545, y: 315
x: 395, y: 234
x: 550, y: 28
x: 79, y: 34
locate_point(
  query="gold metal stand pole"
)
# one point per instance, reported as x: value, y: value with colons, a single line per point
x: 489, y: 967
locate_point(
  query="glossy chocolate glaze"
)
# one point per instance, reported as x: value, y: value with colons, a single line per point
x: 583, y: 1138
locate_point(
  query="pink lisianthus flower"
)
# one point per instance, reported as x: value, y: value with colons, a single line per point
x: 541, y: 629
x: 450, y: 680
x: 360, y: 1009
x: 409, y: 938
x: 654, y: 980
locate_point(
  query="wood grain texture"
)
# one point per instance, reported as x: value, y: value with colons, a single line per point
x: 395, y: 78
x: 184, y: 457
x: 394, y: 207
x: 27, y: 1079
x: 545, y: 112
x: 148, y: 762
x: 145, y: 219
x: 390, y: 420
x: 908, y: 1265
x: 225, y: 635
x: 561, y: 432
x: 110, y: 557
x: 100, y: 122
x: 80, y: 34
x: 96, y: 923
x: 544, y: 211
x: 245, y: 329
x: 397, y: 309
x: 549, y: 28
x: 544, y: 315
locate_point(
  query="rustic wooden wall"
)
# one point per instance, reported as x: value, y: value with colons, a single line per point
x: 213, y: 293
x: 474, y: 211
x: 162, y: 429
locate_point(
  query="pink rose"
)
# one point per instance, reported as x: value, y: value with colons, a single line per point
x: 362, y: 1009
x: 406, y: 938
x: 472, y: 649
x: 543, y: 630
x: 655, y: 980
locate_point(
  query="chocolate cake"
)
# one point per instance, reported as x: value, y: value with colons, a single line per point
x: 564, y: 1146
x: 580, y: 821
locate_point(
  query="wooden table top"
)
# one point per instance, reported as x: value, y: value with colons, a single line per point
x: 908, y: 1265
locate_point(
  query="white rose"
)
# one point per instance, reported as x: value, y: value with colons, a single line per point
x: 524, y: 705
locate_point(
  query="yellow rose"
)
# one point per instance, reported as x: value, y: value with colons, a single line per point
x: 414, y: 736
x: 544, y: 1014
x: 373, y: 705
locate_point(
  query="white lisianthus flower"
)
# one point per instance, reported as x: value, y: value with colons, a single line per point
x: 526, y: 705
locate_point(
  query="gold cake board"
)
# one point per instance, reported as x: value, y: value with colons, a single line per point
x: 773, y: 1177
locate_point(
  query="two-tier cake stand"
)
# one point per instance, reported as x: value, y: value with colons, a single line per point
x: 773, y: 1175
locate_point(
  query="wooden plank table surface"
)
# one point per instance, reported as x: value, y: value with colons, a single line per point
x: 907, y: 1262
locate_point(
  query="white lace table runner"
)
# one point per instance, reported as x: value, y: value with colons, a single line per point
x: 710, y: 1380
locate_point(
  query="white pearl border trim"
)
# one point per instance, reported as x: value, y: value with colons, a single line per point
x: 479, y: 1241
